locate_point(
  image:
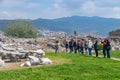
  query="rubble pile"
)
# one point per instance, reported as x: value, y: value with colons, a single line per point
x: 115, y: 33
x: 16, y: 49
x: 32, y: 50
x: 115, y: 39
x: 115, y: 43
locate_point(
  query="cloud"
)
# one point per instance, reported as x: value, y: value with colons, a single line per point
x: 4, y: 14
x: 102, y: 8
x: 107, y: 3
x: 63, y: 8
x: 12, y: 9
x: 89, y: 7
x: 11, y: 3
x: 59, y: 8
x: 112, y: 12
x: 18, y: 3
x: 54, y: 12
x: 13, y: 15
x: 32, y: 5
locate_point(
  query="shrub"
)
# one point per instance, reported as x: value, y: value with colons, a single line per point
x: 100, y: 46
x: 21, y: 29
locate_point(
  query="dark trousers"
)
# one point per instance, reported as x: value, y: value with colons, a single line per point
x: 71, y: 49
x: 104, y: 52
x: 57, y: 50
x: 82, y: 50
x: 66, y: 49
x: 108, y: 53
x: 96, y: 52
x: 76, y: 50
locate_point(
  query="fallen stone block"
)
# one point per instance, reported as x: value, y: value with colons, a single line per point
x: 27, y: 63
x: 46, y: 61
x: 2, y: 63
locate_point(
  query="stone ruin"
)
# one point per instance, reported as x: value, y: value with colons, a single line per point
x: 17, y: 49
x: 32, y: 50
x: 114, y: 37
x: 115, y: 43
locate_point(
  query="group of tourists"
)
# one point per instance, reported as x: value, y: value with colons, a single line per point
x: 79, y: 46
x: 87, y: 47
x: 106, y: 48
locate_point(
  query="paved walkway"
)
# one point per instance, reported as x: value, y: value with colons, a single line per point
x: 118, y: 59
x: 113, y: 58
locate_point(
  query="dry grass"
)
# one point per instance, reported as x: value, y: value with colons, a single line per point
x: 15, y: 65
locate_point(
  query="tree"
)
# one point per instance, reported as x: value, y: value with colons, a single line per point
x: 21, y: 29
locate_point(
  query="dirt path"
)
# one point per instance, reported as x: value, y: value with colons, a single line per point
x: 118, y: 59
x: 113, y: 58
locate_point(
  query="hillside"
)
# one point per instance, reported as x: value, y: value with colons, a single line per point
x: 101, y: 26
x: 4, y: 24
x: 98, y: 25
x: 115, y: 33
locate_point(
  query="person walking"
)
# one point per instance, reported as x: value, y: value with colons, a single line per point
x: 71, y: 45
x: 66, y: 46
x: 75, y: 46
x: 57, y: 46
x: 108, y: 48
x: 78, y: 46
x: 90, y: 45
x: 86, y: 47
x: 96, y: 48
x: 82, y: 46
x: 104, y: 42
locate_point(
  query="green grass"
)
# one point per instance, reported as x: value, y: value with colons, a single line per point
x: 69, y: 67
x: 115, y: 54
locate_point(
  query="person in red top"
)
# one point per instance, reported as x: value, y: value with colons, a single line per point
x: 104, y: 42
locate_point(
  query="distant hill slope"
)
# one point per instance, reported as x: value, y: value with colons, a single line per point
x: 4, y: 24
x: 96, y: 25
x: 115, y: 33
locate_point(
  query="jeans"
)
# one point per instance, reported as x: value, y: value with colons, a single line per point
x: 82, y: 50
x: 90, y: 51
x: 108, y: 53
x: 104, y: 52
x: 71, y: 49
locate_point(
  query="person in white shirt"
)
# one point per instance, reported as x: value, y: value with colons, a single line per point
x: 90, y: 45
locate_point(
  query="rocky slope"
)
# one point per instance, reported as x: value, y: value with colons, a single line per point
x: 115, y: 33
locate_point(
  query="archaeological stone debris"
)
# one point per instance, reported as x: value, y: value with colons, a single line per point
x: 29, y: 51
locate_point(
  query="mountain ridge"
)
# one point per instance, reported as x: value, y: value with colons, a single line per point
x: 82, y: 24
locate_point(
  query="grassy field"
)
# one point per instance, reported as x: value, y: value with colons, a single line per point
x: 69, y: 67
x: 115, y: 54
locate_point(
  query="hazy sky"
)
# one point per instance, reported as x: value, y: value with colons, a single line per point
x: 49, y: 9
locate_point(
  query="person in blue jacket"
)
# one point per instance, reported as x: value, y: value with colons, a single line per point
x: 108, y: 48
